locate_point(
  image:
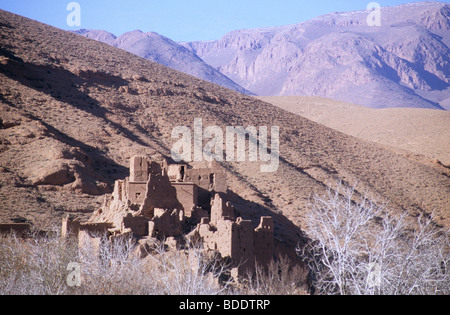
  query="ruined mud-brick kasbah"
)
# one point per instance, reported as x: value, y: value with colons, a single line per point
x: 162, y: 202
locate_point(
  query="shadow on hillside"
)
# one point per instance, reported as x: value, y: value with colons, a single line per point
x: 62, y: 85
x: 287, y: 234
x: 102, y: 164
x: 431, y: 79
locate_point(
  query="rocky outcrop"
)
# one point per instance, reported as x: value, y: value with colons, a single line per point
x: 64, y: 168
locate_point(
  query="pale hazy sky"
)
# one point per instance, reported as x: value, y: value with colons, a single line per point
x: 184, y: 20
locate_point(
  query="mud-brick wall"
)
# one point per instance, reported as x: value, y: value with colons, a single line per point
x: 264, y: 241
x: 187, y: 195
x: 243, y: 252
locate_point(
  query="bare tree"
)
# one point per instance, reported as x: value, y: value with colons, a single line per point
x: 39, y: 266
x: 280, y: 277
x: 35, y: 266
x: 190, y: 270
x: 114, y: 268
x: 357, y: 247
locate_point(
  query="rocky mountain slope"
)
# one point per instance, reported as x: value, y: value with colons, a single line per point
x: 404, y: 62
x: 73, y: 111
x: 160, y: 49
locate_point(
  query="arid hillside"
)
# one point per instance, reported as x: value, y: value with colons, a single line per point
x: 73, y: 111
x: 420, y: 131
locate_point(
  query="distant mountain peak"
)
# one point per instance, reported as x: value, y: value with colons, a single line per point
x: 160, y: 49
x: 402, y: 63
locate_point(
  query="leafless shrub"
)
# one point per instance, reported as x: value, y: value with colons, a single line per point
x: 281, y: 277
x: 358, y: 248
x: 35, y: 266
x: 190, y: 271
x: 113, y: 268
x: 39, y: 266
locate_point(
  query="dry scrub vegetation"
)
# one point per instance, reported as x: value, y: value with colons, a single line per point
x: 39, y: 266
x: 358, y: 248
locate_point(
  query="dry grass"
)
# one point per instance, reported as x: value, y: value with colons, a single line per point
x: 39, y: 266
x: 357, y: 248
x: 36, y: 266
x: 281, y: 277
x: 42, y: 265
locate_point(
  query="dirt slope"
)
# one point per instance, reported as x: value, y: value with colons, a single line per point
x: 420, y: 131
x: 73, y: 111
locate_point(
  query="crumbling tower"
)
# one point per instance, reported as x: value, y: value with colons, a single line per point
x: 139, y: 169
x: 236, y: 238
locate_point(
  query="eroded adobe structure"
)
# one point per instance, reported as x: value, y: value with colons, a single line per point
x: 236, y: 238
x: 165, y: 201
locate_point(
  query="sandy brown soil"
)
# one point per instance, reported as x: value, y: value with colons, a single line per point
x: 73, y: 111
x: 420, y: 131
